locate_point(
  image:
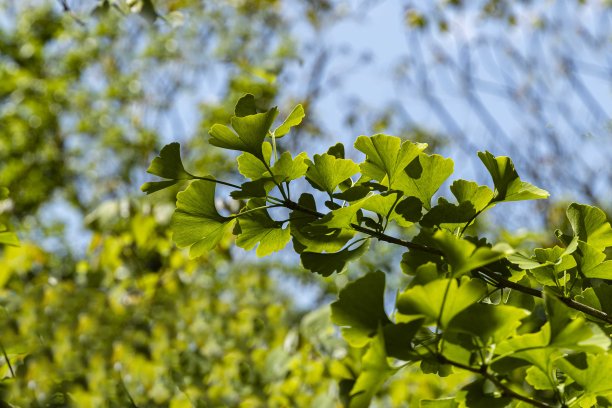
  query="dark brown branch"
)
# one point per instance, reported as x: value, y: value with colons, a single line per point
x: 506, y: 391
x: 495, y: 276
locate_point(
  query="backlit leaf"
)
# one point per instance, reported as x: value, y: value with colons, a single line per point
x: 248, y: 135
x: 424, y: 176
x: 257, y: 227
x: 590, y: 225
x: 508, y: 185
x: 196, y: 223
x: 294, y: 119
x: 374, y: 372
x: 427, y: 300
x: 386, y: 156
x: 463, y: 256
x: 327, y: 172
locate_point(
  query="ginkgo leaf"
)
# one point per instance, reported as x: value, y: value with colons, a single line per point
x: 294, y: 119
x: 592, y: 262
x: 327, y: 263
x: 572, y: 332
x: 470, y: 191
x: 449, y: 215
x: 248, y: 135
x: 590, y: 225
x: 463, y: 256
x: 595, y: 378
x: 427, y: 300
x: 169, y: 164
x: 360, y: 309
x: 494, y: 323
x: 196, y: 222
x: 375, y: 370
x: 326, y: 172
x: 245, y: 106
x: 386, y: 156
x: 424, y: 176
x: 508, y: 185
x: 251, y: 167
x: 287, y: 168
x: 257, y: 227
x: 306, y: 238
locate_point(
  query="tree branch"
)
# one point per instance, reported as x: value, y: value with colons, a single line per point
x: 495, y: 276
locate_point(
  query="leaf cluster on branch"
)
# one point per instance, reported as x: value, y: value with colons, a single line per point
x: 533, y: 328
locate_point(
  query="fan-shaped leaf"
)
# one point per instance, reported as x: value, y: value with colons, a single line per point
x: 294, y: 119
x: 196, y: 222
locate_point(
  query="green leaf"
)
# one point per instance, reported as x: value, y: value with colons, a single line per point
x: 439, y: 403
x: 294, y: 119
x: 598, y: 297
x: 569, y: 332
x: 398, y: 338
x: 337, y: 151
x: 154, y: 186
x: 448, y: 215
x: 374, y: 372
x: 469, y: 191
x: 327, y: 172
x: 4, y: 193
x: 424, y: 176
x: 590, y: 225
x: 327, y: 263
x: 548, y: 264
x: 319, y: 239
x: 538, y: 379
x: 9, y: 238
x: 169, y: 164
x: 360, y: 310
x: 196, y: 222
x: 254, y: 189
x: 427, y: 300
x: 256, y: 227
x: 288, y: 168
x: 386, y: 156
x: 595, y: 379
x: 245, y: 106
x: 592, y: 262
x: 463, y: 256
x: 493, y: 323
x: 251, y: 167
x: 410, y: 209
x: 248, y: 135
x: 508, y: 185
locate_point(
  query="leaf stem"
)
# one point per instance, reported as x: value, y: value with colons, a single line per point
x: 225, y: 183
x: 484, y: 271
x: 8, y: 361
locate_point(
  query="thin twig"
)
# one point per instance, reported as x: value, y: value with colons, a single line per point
x: 496, y: 276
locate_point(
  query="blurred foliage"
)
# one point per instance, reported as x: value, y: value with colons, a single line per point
x: 137, y: 322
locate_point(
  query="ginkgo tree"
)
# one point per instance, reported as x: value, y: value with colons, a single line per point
x: 534, y: 329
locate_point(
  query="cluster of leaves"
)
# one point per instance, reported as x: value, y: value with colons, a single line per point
x: 543, y: 326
